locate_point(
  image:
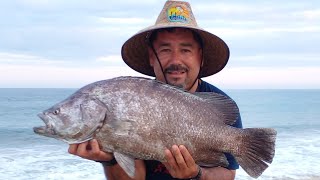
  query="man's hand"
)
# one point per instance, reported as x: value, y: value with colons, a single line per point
x: 90, y: 150
x: 180, y: 163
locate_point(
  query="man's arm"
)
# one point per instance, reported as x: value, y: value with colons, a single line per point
x: 91, y: 150
x: 180, y: 164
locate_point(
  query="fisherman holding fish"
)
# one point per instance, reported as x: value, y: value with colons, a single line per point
x: 176, y: 126
x: 177, y: 52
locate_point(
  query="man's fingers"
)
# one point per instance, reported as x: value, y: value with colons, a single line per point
x: 169, y: 157
x: 179, y: 157
x: 95, y: 148
x: 187, y: 156
x: 73, y: 149
x: 171, y: 162
x: 82, y: 149
x: 180, y: 163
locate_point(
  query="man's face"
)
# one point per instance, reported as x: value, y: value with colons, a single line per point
x: 180, y: 56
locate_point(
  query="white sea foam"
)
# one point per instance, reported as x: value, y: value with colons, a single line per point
x: 46, y: 162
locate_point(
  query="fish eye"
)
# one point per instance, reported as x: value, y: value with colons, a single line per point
x: 56, y: 112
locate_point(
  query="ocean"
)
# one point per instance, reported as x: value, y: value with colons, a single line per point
x: 295, y: 114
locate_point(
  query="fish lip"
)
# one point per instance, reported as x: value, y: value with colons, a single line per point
x: 40, y: 130
x: 49, y: 131
x: 46, y: 130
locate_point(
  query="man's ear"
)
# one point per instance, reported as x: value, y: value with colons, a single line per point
x: 151, y: 56
x: 202, y: 58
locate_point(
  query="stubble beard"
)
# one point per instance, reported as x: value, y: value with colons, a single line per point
x: 175, y: 82
x: 180, y: 85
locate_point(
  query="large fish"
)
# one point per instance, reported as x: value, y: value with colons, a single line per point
x: 138, y: 118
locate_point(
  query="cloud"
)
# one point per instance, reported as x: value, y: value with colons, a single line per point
x: 311, y: 14
x: 123, y: 21
x: 29, y: 76
x: 244, y: 31
x: 230, y: 77
x: 267, y: 78
x: 76, y: 6
x: 256, y: 16
x: 111, y: 60
x: 276, y: 60
x: 12, y: 58
x: 28, y: 60
x: 40, y: 4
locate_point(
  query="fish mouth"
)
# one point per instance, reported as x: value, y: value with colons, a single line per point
x: 46, y: 130
x: 49, y: 131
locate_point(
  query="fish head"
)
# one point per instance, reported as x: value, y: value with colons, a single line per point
x: 73, y: 120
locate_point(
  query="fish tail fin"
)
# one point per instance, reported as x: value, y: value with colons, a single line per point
x: 257, y: 149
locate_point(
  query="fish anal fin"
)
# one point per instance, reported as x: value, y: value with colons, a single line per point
x: 215, y: 159
x: 126, y: 163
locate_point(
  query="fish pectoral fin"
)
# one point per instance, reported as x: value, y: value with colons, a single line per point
x: 123, y: 127
x: 126, y: 163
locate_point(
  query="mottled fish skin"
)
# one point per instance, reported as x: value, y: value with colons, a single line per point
x: 152, y: 114
x: 139, y: 118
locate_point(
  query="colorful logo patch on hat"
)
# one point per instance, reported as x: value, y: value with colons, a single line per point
x: 178, y: 14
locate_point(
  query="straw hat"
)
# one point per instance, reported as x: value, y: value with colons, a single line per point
x: 175, y: 14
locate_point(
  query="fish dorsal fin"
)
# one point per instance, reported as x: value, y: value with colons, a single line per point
x: 126, y: 162
x: 225, y: 107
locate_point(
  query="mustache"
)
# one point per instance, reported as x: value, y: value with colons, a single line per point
x: 176, y: 67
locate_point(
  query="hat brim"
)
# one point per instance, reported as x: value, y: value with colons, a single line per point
x: 215, y: 51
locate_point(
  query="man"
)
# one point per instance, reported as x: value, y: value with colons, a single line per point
x: 175, y: 51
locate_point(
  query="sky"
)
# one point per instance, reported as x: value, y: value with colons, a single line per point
x: 68, y: 44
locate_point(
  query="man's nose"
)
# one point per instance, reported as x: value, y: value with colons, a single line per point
x: 175, y: 57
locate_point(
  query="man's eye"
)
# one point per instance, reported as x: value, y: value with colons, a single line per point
x: 165, y: 50
x: 186, y: 50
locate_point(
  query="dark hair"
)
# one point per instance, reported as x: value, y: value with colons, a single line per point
x: 153, y: 35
